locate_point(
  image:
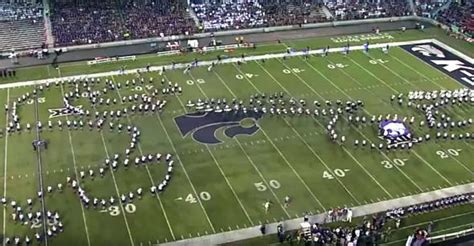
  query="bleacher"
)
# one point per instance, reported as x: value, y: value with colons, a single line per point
x: 21, y: 27
x: 21, y: 34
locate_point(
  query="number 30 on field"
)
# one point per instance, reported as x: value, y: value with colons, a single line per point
x: 115, y: 210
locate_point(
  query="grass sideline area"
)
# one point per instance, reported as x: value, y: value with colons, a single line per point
x: 222, y: 187
x: 76, y: 68
x: 444, y: 221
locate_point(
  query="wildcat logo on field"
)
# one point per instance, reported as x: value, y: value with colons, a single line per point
x: 360, y: 38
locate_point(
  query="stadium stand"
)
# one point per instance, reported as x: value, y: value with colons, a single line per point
x: 355, y: 10
x: 460, y: 17
x: 110, y: 20
x: 21, y: 26
x: 252, y: 14
x: 88, y: 22
x: 152, y: 19
x: 427, y: 8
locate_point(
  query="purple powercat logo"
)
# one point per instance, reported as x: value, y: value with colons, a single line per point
x: 445, y: 61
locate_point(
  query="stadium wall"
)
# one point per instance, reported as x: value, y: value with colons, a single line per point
x: 147, y: 46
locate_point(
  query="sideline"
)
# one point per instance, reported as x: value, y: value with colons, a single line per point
x: 231, y: 60
x: 294, y: 224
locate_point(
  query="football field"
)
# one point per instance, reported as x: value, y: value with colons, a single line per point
x: 226, y: 168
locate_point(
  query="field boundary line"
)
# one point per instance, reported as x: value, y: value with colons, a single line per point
x: 209, y: 62
x: 359, y: 211
x: 5, y: 167
x: 117, y: 89
x: 74, y: 162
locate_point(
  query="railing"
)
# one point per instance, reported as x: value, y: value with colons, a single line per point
x: 452, y: 235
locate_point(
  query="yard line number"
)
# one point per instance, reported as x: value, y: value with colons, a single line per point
x: 260, y: 186
x: 245, y: 75
x: 40, y: 100
x: 197, y: 81
x: 389, y: 164
x: 378, y: 61
x: 36, y: 223
x: 336, y: 65
x: 292, y: 70
x: 444, y: 154
x: 204, y: 196
x: 341, y: 173
x: 115, y: 211
x: 139, y: 88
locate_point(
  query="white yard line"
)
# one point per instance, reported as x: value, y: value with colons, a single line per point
x: 117, y: 191
x: 5, y: 167
x: 217, y: 162
x: 184, y: 170
x: 250, y: 159
x: 363, y: 135
x: 77, y: 176
x: 132, y: 242
x: 290, y: 165
x: 403, y: 78
x: 426, y: 77
x: 308, y: 146
x: 347, y: 95
x: 147, y: 169
x: 412, y: 151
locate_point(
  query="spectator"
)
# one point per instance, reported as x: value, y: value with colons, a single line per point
x: 459, y: 17
x: 354, y: 10
x: 98, y: 21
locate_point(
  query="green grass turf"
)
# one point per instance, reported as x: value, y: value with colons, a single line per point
x: 222, y: 187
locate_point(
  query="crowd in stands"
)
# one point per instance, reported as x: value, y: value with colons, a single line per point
x: 150, y: 20
x: 459, y: 15
x: 280, y: 15
x: 98, y: 21
x: 427, y: 8
x: 24, y: 11
x: 252, y: 14
x: 21, y: 26
x: 355, y: 10
x: 215, y: 17
x: 374, y: 230
x: 90, y: 22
